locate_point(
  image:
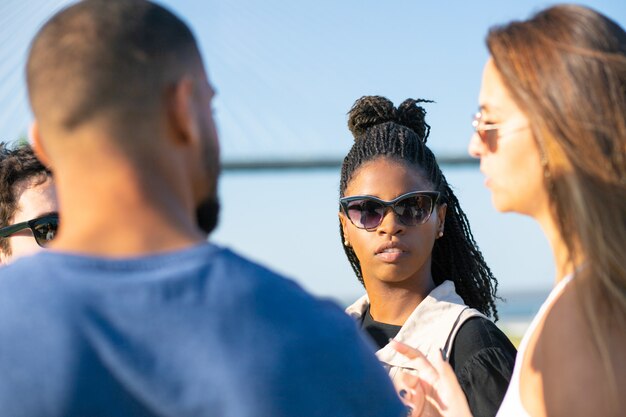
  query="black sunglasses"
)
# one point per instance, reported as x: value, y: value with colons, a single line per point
x: 44, y: 228
x: 367, y: 212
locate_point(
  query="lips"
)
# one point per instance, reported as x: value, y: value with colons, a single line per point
x: 391, y: 251
x: 487, y: 180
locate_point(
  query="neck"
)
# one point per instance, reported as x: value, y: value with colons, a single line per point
x: 562, y: 256
x: 393, y: 303
x: 114, y: 209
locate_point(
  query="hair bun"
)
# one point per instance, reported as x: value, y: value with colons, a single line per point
x: 414, y: 117
x: 370, y: 111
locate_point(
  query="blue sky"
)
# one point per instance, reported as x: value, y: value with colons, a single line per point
x: 286, y: 73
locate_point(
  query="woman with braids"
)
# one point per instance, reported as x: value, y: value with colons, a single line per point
x: 410, y: 245
x: 551, y: 138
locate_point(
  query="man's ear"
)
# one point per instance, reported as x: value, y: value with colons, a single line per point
x: 181, y: 111
x: 37, y: 144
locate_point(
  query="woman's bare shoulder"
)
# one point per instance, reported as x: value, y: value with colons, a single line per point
x: 565, y: 364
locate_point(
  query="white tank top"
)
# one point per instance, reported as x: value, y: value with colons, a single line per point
x: 512, y: 404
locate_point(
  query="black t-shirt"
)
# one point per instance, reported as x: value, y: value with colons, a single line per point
x: 482, y: 358
x: 380, y: 332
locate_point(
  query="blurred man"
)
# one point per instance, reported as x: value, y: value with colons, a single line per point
x: 28, y: 203
x: 133, y: 312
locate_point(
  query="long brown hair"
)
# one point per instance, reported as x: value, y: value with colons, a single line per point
x: 566, y: 68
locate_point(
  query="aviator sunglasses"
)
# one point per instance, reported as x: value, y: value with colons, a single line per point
x: 412, y: 209
x: 489, y: 132
x: 44, y: 228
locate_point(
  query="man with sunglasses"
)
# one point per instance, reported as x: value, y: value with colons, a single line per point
x: 133, y: 312
x: 28, y: 203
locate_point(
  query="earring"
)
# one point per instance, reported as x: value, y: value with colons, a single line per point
x: 345, y: 242
x: 440, y: 233
x: 547, y: 175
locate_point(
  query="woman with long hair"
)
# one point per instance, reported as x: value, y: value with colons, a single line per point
x: 410, y: 245
x: 551, y: 138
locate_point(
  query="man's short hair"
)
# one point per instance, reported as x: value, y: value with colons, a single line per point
x: 111, y: 59
x: 16, y: 165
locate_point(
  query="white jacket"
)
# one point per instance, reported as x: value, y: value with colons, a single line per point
x: 433, y: 325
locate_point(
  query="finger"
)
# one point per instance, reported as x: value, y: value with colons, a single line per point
x: 442, y: 367
x: 418, y: 361
x: 413, y: 394
x: 410, y: 382
x: 404, y: 349
x: 449, y: 392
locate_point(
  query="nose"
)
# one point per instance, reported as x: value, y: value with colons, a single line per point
x: 390, y: 224
x: 476, y: 146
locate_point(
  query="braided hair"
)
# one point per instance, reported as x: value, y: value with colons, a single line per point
x: 381, y: 130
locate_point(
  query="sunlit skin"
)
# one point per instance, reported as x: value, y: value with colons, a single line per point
x: 203, y: 97
x: 512, y: 163
x: 517, y: 159
x: 572, y: 361
x: 154, y: 205
x: 514, y: 175
x: 33, y: 200
x: 395, y: 259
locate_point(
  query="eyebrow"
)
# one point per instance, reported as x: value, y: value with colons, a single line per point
x: 40, y: 215
x: 43, y: 214
x: 47, y: 213
x: 487, y: 108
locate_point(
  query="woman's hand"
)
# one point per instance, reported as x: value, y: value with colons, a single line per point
x: 435, y: 391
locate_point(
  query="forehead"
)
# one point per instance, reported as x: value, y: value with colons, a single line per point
x: 386, y: 178
x: 34, y: 198
x: 31, y: 182
x: 494, y: 97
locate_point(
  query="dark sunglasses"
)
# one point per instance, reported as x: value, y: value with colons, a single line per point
x: 44, y: 228
x: 367, y: 212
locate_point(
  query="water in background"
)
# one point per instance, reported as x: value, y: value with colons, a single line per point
x: 287, y: 220
x: 516, y: 311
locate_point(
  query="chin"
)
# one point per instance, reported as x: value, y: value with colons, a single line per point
x: 395, y: 277
x: 501, y: 204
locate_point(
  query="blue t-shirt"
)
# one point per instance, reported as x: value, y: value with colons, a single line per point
x: 197, y: 332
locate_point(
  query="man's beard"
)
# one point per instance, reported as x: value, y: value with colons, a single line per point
x: 207, y: 214
x: 207, y: 211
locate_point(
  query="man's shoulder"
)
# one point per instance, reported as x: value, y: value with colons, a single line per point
x: 271, y: 299
x: 227, y: 272
x: 249, y: 326
x: 217, y: 278
x: 205, y: 260
x: 25, y: 277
